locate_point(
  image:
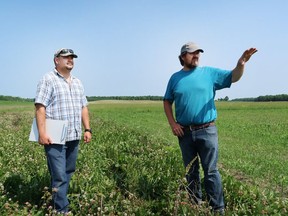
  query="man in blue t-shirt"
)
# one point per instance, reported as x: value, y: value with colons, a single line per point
x: 192, y: 89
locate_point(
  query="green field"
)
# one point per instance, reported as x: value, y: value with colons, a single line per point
x: 133, y: 165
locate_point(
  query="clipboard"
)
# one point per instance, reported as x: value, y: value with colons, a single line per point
x: 56, y: 129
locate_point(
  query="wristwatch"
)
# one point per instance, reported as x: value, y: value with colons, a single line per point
x: 88, y: 130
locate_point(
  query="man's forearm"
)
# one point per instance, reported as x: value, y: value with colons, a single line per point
x: 85, y: 118
x: 237, y: 72
x: 41, y: 118
x: 169, y: 112
x: 239, y: 69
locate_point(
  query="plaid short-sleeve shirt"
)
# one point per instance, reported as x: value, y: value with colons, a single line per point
x: 63, y: 101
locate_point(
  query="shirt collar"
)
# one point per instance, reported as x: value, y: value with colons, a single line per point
x: 59, y: 74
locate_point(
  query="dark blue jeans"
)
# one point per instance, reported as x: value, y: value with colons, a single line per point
x: 61, y: 160
x: 202, y: 143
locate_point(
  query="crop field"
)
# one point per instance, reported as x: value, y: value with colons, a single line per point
x: 133, y: 165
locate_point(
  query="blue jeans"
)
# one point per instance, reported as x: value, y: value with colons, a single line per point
x: 61, y: 160
x: 202, y: 144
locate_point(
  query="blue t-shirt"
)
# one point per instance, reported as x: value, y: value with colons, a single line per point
x: 194, y: 91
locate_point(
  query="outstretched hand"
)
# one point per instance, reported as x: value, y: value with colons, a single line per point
x: 246, y: 55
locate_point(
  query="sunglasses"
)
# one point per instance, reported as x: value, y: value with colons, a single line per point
x: 65, y: 51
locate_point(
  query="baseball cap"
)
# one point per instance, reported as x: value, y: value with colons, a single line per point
x: 65, y: 52
x: 190, y: 47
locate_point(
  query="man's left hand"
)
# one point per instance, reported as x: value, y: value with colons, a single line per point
x: 247, y: 55
x: 87, y: 137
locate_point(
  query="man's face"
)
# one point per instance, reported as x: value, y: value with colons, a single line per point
x: 191, y: 60
x: 65, y: 62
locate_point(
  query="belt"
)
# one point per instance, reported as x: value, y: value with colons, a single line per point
x: 195, y: 127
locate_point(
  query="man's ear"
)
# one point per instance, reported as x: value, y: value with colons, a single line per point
x: 181, y: 60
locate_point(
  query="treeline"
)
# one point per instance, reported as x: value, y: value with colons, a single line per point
x: 11, y: 98
x: 149, y: 97
x: 280, y: 97
x: 90, y: 98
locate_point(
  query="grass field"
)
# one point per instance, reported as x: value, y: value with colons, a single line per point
x: 133, y: 165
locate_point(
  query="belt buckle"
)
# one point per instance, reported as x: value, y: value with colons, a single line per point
x: 199, y: 127
x: 191, y: 127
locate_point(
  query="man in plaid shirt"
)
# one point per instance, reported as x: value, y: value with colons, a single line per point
x: 60, y: 96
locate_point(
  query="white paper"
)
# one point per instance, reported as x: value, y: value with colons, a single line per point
x: 56, y: 130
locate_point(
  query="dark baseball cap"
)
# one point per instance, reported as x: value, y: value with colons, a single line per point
x: 65, y: 52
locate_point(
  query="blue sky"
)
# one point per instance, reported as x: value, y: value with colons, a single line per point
x: 131, y: 47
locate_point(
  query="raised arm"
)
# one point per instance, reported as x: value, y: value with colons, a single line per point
x: 239, y: 69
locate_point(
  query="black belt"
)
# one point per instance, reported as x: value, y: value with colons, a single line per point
x: 195, y: 127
